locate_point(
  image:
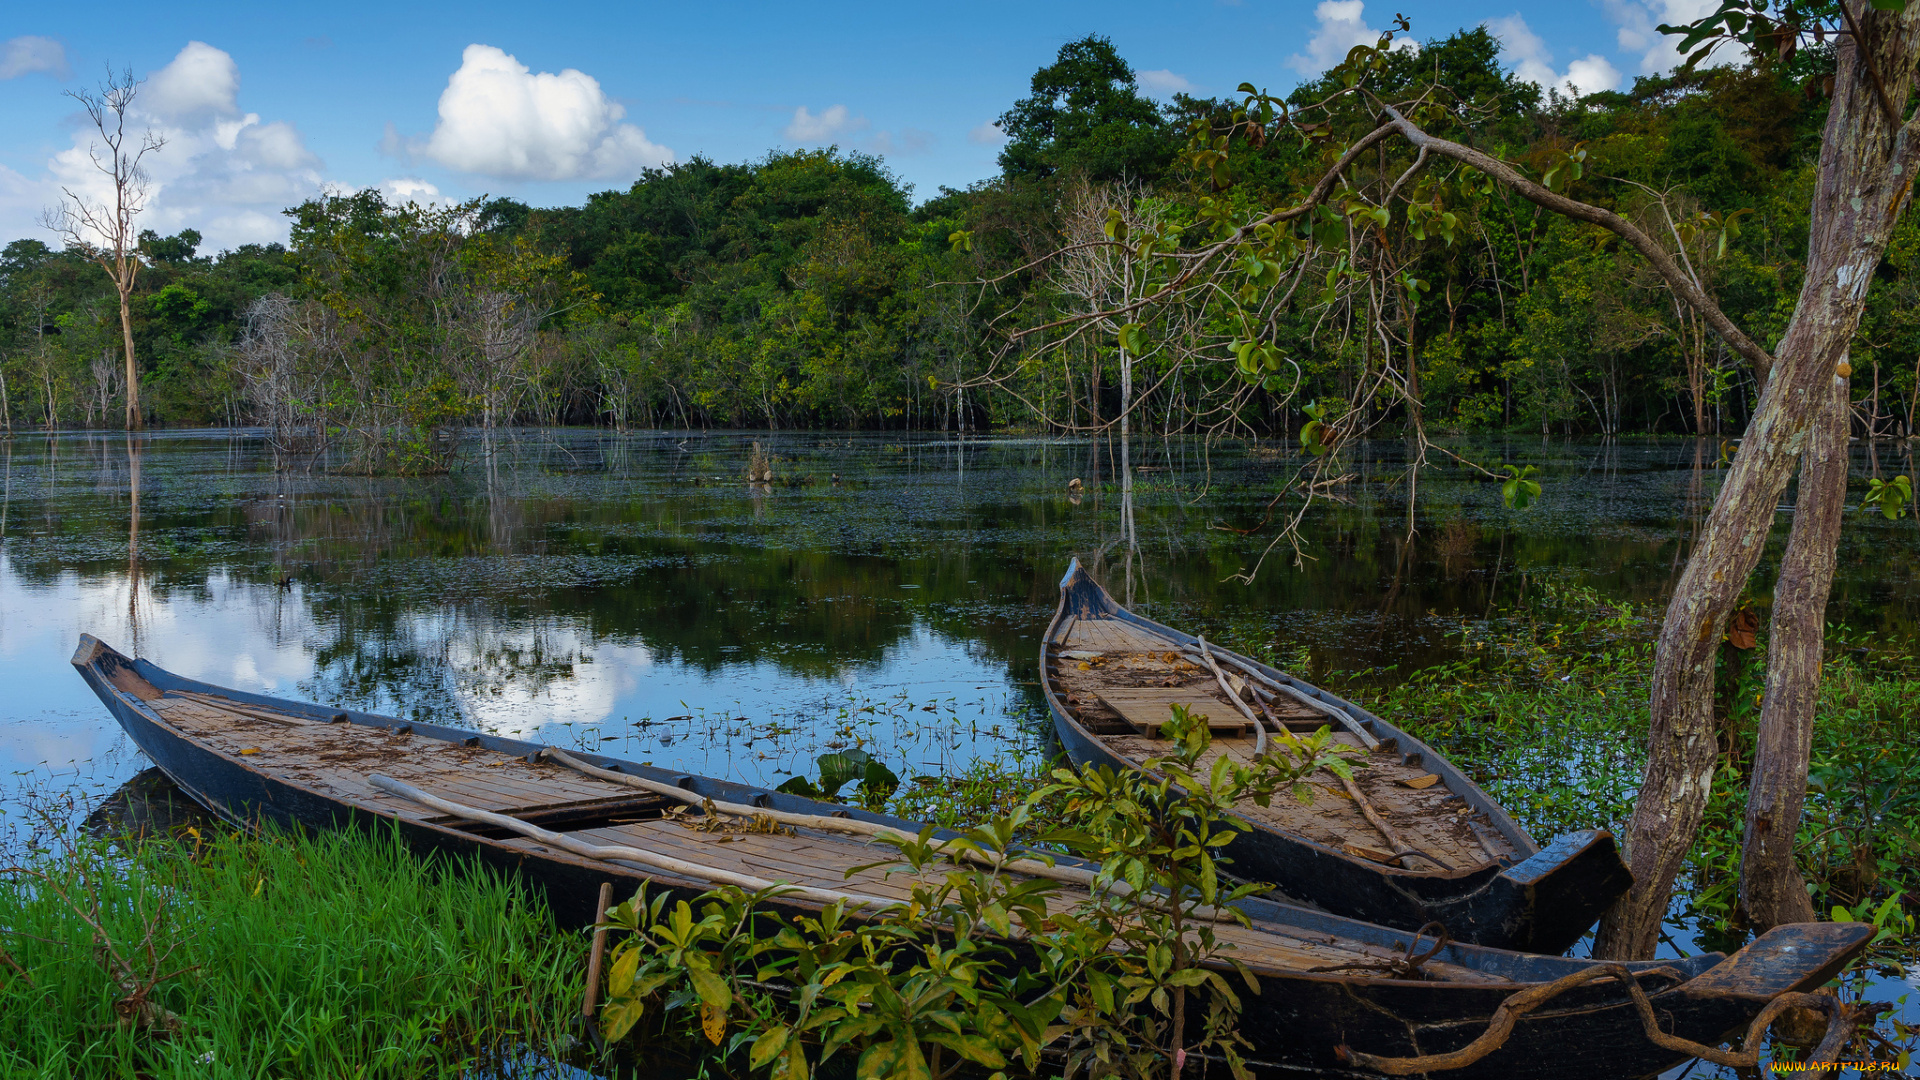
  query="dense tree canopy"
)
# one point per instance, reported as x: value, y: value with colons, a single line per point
x: 808, y: 288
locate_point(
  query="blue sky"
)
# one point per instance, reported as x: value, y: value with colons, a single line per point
x: 263, y: 105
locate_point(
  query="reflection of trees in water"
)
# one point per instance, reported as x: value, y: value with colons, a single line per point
x: 550, y: 544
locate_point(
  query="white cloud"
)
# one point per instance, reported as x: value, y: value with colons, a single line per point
x: 225, y: 173
x: 1342, y: 25
x: 498, y: 118
x: 24, y: 55
x: 1162, y: 81
x: 833, y: 120
x: 411, y: 189
x: 987, y: 135
x: 201, y: 80
x: 1533, y: 61
x: 1638, y: 20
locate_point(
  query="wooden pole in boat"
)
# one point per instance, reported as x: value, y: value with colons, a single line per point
x: 1038, y: 865
x: 594, y: 957
x: 619, y: 853
x: 1259, y: 726
x: 1328, y: 709
x: 1400, y: 847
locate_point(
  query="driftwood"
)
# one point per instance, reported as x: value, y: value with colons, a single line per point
x: 1839, y: 1027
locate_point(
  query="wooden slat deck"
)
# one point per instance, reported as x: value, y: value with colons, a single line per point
x: 336, y: 759
x: 1432, y: 819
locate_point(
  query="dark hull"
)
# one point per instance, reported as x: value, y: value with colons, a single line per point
x: 1543, y: 903
x: 1297, y: 1022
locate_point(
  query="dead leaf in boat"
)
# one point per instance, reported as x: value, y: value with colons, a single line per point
x: 1419, y: 782
x: 250, y: 750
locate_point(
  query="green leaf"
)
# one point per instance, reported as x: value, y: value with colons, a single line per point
x: 713, y: 990
x: 618, y: 1017
x: 768, y: 1046
x: 975, y: 1048
x: 620, y: 976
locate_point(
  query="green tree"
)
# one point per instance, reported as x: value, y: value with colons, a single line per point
x: 1086, y: 115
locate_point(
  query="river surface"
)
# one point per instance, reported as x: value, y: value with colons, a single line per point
x: 633, y: 593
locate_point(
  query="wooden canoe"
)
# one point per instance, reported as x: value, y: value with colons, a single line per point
x: 1110, y: 678
x: 250, y: 758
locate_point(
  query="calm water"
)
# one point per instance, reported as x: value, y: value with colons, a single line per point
x: 632, y: 593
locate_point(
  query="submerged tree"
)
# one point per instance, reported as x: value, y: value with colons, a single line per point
x: 104, y: 227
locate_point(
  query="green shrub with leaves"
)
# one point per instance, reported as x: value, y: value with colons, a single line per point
x: 982, y: 969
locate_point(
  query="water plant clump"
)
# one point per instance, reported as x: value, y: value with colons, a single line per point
x: 1547, y: 709
x: 229, y: 954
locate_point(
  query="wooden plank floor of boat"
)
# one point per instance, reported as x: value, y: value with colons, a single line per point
x: 1432, y: 818
x: 336, y: 759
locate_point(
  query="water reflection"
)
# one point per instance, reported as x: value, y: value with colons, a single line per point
x: 631, y: 591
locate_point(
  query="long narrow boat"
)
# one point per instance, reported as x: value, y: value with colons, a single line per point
x: 1409, y: 843
x: 1329, y: 988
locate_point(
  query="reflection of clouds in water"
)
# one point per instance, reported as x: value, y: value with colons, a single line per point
x: 55, y: 743
x: 51, y: 723
x: 520, y: 680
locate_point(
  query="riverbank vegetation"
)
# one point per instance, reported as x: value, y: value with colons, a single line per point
x: 215, y: 954
x: 811, y: 289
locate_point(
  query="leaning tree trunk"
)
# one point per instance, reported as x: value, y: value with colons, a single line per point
x: 1865, y: 176
x: 1771, y: 887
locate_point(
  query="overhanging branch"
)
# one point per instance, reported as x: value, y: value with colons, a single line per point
x: 1677, y: 279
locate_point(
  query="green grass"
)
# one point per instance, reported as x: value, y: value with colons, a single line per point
x: 340, y: 955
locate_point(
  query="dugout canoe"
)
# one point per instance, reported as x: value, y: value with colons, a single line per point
x: 1110, y: 678
x: 253, y: 759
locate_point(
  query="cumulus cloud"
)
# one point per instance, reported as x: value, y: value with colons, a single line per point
x: 223, y: 172
x: 987, y: 135
x: 498, y: 118
x: 201, y: 80
x: 412, y: 189
x: 1533, y: 61
x: 1340, y: 25
x: 1162, y: 81
x: 1637, y: 22
x: 833, y: 120
x: 28, y: 53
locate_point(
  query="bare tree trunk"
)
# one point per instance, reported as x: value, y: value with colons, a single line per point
x: 134, y: 419
x: 1864, y: 180
x: 1771, y: 887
